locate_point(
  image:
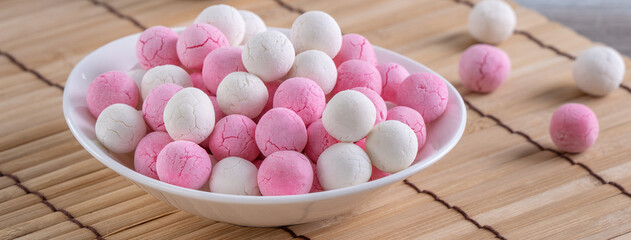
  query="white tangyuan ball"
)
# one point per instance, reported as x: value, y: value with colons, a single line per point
x: 189, y: 115
x: 491, y: 21
x: 242, y: 93
x: 343, y: 165
x: 120, y: 128
x: 349, y: 116
x: 317, y: 66
x: 164, y: 74
x: 268, y: 55
x: 598, y: 70
x: 234, y: 175
x: 253, y: 24
x: 392, y: 146
x: 225, y: 18
x: 316, y: 30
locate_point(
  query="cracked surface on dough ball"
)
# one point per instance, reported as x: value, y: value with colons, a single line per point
x: 483, y: 68
x: 157, y: 46
x: 355, y: 47
x: 120, y: 127
x: 225, y: 18
x: 574, y: 127
x: 269, y: 55
x: 184, y: 164
x: 110, y: 88
x: 425, y: 93
x: 392, y: 75
x: 242, y: 93
x: 356, y: 73
x: 280, y: 129
x: 197, y: 41
x: 189, y: 115
x: 233, y: 136
x: 218, y: 64
x: 285, y: 173
x: 302, y: 96
x: 164, y: 74
x: 153, y: 106
x: 147, y: 152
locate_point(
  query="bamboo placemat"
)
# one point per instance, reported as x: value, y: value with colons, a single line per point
x: 504, y: 179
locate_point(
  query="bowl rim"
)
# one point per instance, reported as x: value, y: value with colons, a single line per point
x: 140, y: 179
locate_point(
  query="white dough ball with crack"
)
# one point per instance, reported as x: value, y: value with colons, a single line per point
x: 225, y: 18
x: 189, y: 115
x: 343, y: 165
x: 491, y: 21
x: 234, y: 175
x: 242, y: 93
x: 253, y: 24
x: 269, y: 55
x: 164, y: 74
x: 392, y: 146
x: 317, y: 66
x: 120, y: 128
x: 316, y: 30
x: 598, y: 70
x: 349, y: 116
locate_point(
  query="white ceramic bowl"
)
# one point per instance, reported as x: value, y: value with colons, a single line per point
x: 261, y: 211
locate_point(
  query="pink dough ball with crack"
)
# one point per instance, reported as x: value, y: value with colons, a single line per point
x: 425, y: 93
x: 285, y: 173
x: 147, y: 152
x: 280, y: 129
x: 574, y: 127
x: 392, y: 75
x: 157, y: 46
x: 198, y: 82
x: 377, y: 174
x: 271, y: 91
x: 110, y: 88
x: 233, y: 136
x: 303, y: 96
x: 218, y: 113
x: 380, y: 105
x: 411, y: 118
x: 356, y: 73
x: 218, y: 64
x: 318, y: 140
x: 196, y: 42
x: 183, y: 163
x: 153, y: 106
x: 316, y: 187
x: 483, y: 68
x: 355, y: 47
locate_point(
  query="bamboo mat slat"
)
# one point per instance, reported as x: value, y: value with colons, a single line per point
x: 504, y: 179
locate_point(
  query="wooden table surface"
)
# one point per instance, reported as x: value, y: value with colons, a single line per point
x: 505, y: 179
